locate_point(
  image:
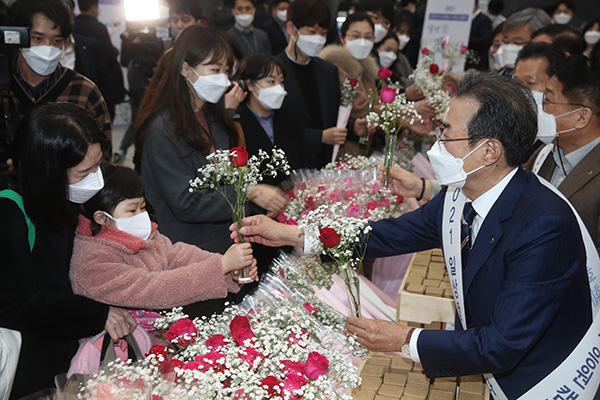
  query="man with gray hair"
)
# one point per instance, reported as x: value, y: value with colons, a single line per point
x: 517, y: 32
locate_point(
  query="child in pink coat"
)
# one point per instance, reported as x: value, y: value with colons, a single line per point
x: 120, y: 258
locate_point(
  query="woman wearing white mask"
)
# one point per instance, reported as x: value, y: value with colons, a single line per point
x: 183, y: 118
x: 57, y: 150
x: 120, y: 257
x: 591, y: 35
x: 354, y: 61
x: 264, y: 123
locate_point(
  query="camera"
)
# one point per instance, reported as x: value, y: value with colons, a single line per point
x: 241, y: 83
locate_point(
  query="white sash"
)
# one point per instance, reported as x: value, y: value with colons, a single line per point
x: 10, y: 345
x: 542, y: 155
x: 579, y: 374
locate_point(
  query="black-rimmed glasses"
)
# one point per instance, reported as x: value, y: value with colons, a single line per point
x: 439, y: 132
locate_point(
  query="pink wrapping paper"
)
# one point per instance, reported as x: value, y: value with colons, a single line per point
x: 342, y: 121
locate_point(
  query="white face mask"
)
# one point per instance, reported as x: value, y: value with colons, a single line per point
x: 43, y: 60
x: 547, y: 125
x: 403, y: 41
x: 244, y: 20
x: 380, y: 32
x: 509, y: 54
x: 496, y: 60
x: 138, y: 225
x: 562, y: 18
x: 86, y: 188
x: 282, y: 15
x: 538, y: 97
x: 387, y: 58
x: 271, y: 97
x: 591, y: 37
x: 359, y: 48
x: 447, y: 168
x: 210, y: 87
x: 310, y: 45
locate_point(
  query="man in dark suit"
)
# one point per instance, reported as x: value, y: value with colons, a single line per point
x: 480, y: 39
x: 87, y: 24
x: 275, y: 27
x: 525, y: 300
x: 572, y: 161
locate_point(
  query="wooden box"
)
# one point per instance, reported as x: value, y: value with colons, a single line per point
x: 431, y: 300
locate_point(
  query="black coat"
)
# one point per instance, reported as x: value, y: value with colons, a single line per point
x: 90, y: 63
x: 480, y: 40
x: 328, y: 85
x: 289, y: 136
x: 36, y: 299
x: 276, y: 36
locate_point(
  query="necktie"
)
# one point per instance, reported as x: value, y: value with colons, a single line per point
x: 465, y: 232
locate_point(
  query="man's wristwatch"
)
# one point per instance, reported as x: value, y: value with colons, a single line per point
x: 406, y: 344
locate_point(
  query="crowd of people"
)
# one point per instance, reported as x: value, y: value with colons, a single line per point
x: 79, y: 240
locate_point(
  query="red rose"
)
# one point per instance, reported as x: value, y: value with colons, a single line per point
x: 272, y: 385
x: 216, y: 342
x: 329, y: 237
x: 425, y: 51
x: 387, y: 95
x: 292, y: 367
x: 316, y: 365
x: 445, y: 42
x: 353, y: 82
x: 238, y: 156
x: 384, y: 73
x: 348, y: 194
x: 385, y: 203
x: 291, y: 221
x: 399, y: 199
x: 184, y: 331
x: 310, y: 203
x: 296, y: 338
x: 158, y: 352
x: 434, y: 69
x: 294, y: 382
x: 309, y: 307
x: 239, y: 322
x: 242, y: 334
x: 464, y: 49
x: 291, y: 194
x: 372, y: 205
x: 212, y: 360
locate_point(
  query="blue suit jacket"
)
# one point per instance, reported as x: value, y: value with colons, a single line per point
x: 527, y: 296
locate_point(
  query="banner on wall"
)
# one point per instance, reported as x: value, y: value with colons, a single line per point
x: 447, y: 19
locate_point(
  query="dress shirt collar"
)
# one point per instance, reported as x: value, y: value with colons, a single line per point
x: 260, y: 117
x: 484, y: 203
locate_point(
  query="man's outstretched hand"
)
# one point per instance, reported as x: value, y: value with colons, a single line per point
x: 263, y: 230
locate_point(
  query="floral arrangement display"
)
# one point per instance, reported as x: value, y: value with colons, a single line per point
x: 430, y: 79
x: 271, y: 346
x: 234, y: 168
x: 452, y: 53
x: 353, y: 192
x: 393, y: 111
x: 349, y: 87
x: 344, y: 239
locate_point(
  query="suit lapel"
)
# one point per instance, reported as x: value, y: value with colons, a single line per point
x: 491, y: 231
x: 583, y: 172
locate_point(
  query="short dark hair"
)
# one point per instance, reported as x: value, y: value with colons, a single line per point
x: 51, y: 139
x: 21, y: 13
x: 564, y: 36
x: 553, y: 55
x: 356, y: 17
x: 188, y: 7
x: 231, y: 3
x: 495, y: 7
x: 258, y: 66
x: 85, y: 5
x: 401, y: 19
x: 506, y: 112
x: 590, y: 24
x: 390, y: 35
x: 120, y: 183
x: 580, y: 78
x: 404, y: 3
x: 498, y: 29
x: 386, y: 7
x: 309, y: 13
x: 570, y: 4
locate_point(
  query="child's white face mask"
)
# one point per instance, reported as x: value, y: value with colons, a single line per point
x: 138, y: 225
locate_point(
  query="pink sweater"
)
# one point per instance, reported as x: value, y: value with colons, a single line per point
x: 119, y: 269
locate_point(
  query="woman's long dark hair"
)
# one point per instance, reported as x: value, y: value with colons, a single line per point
x: 169, y: 90
x: 50, y: 140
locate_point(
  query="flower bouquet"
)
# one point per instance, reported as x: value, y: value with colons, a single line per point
x: 344, y: 240
x: 349, y: 87
x: 394, y: 111
x: 234, y: 168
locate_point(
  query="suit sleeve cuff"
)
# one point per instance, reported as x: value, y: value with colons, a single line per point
x: 414, y: 353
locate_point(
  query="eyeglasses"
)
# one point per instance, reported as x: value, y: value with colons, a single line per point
x: 439, y: 131
x: 546, y: 101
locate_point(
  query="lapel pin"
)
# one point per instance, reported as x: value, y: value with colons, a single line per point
x: 491, y: 240
x: 590, y: 172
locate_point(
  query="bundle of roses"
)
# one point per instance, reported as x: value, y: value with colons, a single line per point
x: 355, y: 193
x: 267, y: 355
x: 453, y: 52
x: 349, y: 87
x: 430, y: 79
